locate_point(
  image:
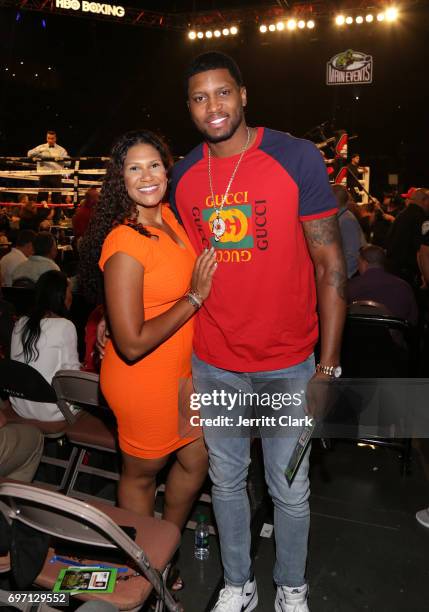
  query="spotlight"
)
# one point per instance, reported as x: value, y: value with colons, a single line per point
x: 225, y: 31
x: 217, y: 33
x: 301, y: 24
x: 209, y: 34
x: 200, y: 35
x: 391, y: 14
x: 263, y: 29
x: 21, y: 63
x: 291, y: 24
x: 369, y: 18
x: 349, y: 20
x: 380, y: 17
x: 234, y: 30
x: 310, y: 24
x: 36, y: 75
x: 192, y: 36
x: 359, y: 19
x: 50, y: 67
x: 272, y: 27
x: 340, y: 20
x: 280, y: 26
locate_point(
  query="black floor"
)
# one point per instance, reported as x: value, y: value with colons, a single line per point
x: 367, y: 552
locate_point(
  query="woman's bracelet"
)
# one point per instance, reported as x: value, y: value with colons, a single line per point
x: 194, y: 299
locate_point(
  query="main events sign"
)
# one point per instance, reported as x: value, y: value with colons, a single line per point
x: 349, y: 68
x: 91, y: 7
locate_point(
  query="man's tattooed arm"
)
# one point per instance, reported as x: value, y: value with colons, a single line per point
x: 320, y: 232
x: 325, y: 247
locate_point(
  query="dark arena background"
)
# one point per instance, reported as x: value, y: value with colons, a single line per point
x: 92, y: 76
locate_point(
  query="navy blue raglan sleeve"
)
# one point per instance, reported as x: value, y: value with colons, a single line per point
x: 316, y: 198
x: 175, y: 176
x: 302, y: 160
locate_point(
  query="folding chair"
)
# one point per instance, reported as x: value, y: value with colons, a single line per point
x: 70, y: 520
x: 21, y: 380
x: 379, y: 346
x: 90, y: 431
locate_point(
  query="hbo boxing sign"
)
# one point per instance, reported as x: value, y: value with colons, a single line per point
x: 91, y: 7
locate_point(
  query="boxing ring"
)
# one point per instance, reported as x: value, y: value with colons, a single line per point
x: 20, y: 176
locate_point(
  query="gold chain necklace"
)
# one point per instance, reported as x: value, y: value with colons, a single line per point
x: 218, y: 225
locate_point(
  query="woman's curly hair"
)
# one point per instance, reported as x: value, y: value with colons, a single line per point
x: 114, y: 207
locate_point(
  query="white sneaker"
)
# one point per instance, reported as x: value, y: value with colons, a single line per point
x: 423, y: 517
x: 237, y: 599
x: 291, y: 599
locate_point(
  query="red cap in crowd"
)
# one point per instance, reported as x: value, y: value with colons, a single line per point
x: 409, y: 193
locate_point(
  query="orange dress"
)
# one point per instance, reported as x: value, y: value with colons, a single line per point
x: 145, y: 395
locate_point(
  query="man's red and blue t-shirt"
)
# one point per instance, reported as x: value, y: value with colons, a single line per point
x: 261, y: 312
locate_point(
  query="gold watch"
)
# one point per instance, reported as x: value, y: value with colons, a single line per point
x: 332, y: 371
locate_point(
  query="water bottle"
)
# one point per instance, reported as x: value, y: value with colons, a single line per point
x: 201, y: 550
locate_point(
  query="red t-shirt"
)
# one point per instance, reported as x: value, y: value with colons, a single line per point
x: 261, y: 312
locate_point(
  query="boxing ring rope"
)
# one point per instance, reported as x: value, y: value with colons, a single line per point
x: 75, y: 182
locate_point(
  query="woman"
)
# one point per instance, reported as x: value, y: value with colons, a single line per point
x: 46, y: 340
x: 149, y: 267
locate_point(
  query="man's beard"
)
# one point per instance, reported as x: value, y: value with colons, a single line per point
x: 222, y: 137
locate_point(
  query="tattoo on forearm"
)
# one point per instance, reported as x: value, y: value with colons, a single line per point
x: 321, y: 232
x: 338, y: 279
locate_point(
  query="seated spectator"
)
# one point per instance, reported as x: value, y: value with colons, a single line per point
x: 375, y: 284
x: 393, y: 204
x: 85, y: 211
x: 46, y: 340
x: 91, y: 362
x: 378, y: 223
x: 29, y: 218
x: 24, y: 249
x: 4, y: 224
x: 351, y: 232
x: 21, y: 448
x: 7, y: 321
x: 45, y: 251
x: 404, y: 238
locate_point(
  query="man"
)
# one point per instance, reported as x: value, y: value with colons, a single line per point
x: 21, y: 448
x: 404, y: 238
x: 351, y: 232
x: 374, y: 283
x: 82, y: 216
x: 262, y: 198
x: 423, y: 253
x: 45, y: 252
x: 49, y: 152
x: 353, y: 175
x: 24, y: 249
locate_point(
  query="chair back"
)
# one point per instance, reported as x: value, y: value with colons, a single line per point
x: 21, y: 380
x: 72, y: 520
x: 376, y: 346
x: 368, y: 307
x: 77, y: 387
